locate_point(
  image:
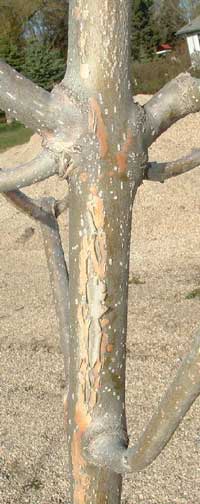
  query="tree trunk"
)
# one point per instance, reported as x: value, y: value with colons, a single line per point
x: 99, y: 233
x: 101, y: 196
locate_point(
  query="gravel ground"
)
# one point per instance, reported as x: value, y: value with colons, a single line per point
x: 165, y: 267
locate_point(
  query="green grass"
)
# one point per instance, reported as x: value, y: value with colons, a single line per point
x: 133, y: 279
x: 193, y: 294
x: 13, y: 134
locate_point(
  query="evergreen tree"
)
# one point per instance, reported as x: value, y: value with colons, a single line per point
x: 42, y: 63
x: 12, y: 53
x: 167, y: 18
x: 143, y: 39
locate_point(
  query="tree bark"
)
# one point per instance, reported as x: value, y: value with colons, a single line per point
x: 100, y: 209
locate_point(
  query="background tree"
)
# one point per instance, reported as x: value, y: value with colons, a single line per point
x: 42, y: 63
x: 166, y: 18
x: 34, y: 38
x: 13, y: 16
x: 38, y: 18
x: 50, y: 21
x: 11, y: 53
x: 142, y: 33
x: 191, y: 9
x: 96, y: 137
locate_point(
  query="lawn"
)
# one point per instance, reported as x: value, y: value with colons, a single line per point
x: 13, y: 134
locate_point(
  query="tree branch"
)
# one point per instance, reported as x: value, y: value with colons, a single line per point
x: 61, y: 205
x: 175, y: 100
x: 43, y: 166
x: 23, y: 100
x: 181, y: 394
x: 159, y: 172
x: 44, y: 212
x: 29, y: 206
x: 58, y: 273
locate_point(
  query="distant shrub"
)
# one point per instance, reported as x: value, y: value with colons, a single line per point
x: 149, y: 77
x: 43, y: 64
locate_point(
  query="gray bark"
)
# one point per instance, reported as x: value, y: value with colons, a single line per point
x: 43, y: 166
x: 176, y: 402
x: 162, y: 171
x: 100, y: 140
x: 58, y: 274
x: 47, y: 113
x: 175, y: 100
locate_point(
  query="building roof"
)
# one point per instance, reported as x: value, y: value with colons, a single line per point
x: 192, y: 27
x: 167, y: 47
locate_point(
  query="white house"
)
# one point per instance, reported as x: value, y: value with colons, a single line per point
x: 192, y: 33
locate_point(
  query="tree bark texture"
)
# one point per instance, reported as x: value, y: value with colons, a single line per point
x: 102, y: 188
x: 97, y: 138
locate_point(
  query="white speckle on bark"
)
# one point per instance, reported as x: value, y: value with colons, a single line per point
x: 11, y: 96
x: 40, y: 113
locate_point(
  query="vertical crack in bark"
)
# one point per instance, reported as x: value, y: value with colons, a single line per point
x: 119, y: 160
x: 97, y: 126
x: 122, y: 155
x: 91, y: 314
